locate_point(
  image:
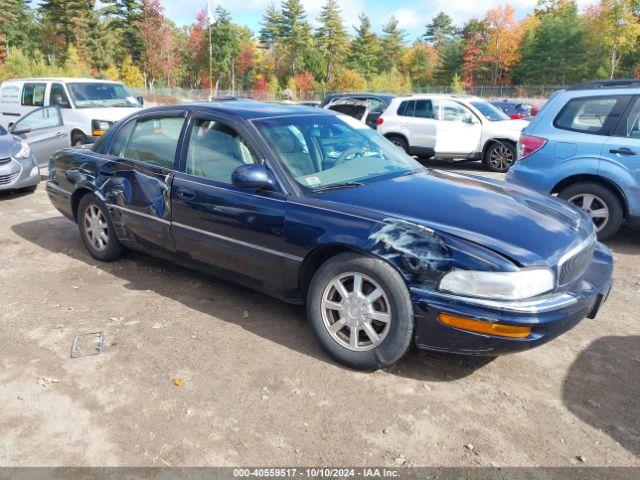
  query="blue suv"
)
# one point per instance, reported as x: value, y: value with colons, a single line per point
x: 584, y: 146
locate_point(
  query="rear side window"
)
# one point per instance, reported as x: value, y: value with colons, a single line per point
x: 155, y: 140
x: 33, y: 94
x: 594, y: 115
x: 424, y: 109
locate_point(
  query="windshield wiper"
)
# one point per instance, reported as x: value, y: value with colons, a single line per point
x: 339, y: 186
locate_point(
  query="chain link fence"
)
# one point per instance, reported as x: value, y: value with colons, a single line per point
x: 536, y: 94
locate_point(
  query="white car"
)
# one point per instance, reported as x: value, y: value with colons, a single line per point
x: 452, y: 127
x: 89, y: 107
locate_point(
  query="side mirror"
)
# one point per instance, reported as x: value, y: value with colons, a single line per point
x: 19, y: 129
x: 140, y: 100
x: 254, y: 177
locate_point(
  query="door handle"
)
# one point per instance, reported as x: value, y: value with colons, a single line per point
x: 185, y: 193
x: 622, y: 151
x: 60, y: 134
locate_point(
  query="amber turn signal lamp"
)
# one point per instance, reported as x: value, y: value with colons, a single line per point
x: 478, y: 326
x: 98, y: 133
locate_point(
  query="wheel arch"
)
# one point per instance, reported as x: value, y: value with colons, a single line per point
x: 390, y: 135
x: 581, y: 178
x: 317, y: 257
x: 492, y: 141
x: 77, y: 195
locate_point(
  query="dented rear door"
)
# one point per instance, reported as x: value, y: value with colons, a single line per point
x: 137, y: 186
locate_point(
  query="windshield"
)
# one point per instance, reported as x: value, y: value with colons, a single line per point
x: 321, y: 151
x: 490, y: 112
x: 91, y: 95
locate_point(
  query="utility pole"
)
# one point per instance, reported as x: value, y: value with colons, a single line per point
x: 210, y: 21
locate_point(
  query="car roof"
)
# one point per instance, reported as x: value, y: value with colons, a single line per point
x: 386, y: 96
x: 61, y: 79
x: 426, y: 96
x: 247, y: 109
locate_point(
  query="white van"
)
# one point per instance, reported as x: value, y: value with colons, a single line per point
x: 89, y: 107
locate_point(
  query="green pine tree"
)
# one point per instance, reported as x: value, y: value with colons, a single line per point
x: 365, y: 49
x: 332, y: 39
x: 392, y: 46
x: 296, y: 33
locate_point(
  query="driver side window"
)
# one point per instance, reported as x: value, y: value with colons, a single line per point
x: 451, y: 111
x: 45, y: 117
x: 216, y: 150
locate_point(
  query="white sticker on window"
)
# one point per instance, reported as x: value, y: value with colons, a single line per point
x: 352, y: 122
x: 313, y: 181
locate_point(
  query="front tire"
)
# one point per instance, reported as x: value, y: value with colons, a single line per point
x: 78, y: 139
x: 399, y: 142
x: 500, y: 156
x: 602, y: 205
x: 96, y: 229
x: 360, y: 311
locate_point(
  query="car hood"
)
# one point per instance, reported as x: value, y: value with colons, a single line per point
x: 507, y: 128
x: 110, y: 114
x: 522, y: 225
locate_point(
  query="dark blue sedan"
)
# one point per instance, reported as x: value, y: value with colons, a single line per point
x: 314, y: 207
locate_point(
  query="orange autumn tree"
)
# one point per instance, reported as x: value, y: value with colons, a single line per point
x: 504, y: 38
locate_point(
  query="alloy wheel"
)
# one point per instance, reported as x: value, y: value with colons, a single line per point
x: 594, y: 206
x: 501, y: 157
x: 356, y: 311
x: 96, y: 227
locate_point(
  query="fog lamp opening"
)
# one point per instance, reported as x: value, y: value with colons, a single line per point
x: 478, y: 326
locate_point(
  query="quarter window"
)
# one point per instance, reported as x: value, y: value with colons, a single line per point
x: 595, y: 115
x: 155, y: 140
x: 121, y: 140
x: 216, y: 150
x: 407, y: 109
x: 33, y: 94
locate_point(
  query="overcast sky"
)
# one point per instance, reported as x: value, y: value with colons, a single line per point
x: 412, y: 14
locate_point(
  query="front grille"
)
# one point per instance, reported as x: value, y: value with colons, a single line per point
x: 9, y: 179
x: 575, y: 265
x: 4, y: 161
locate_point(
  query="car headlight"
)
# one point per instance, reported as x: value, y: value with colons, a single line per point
x: 516, y: 285
x: 24, y: 151
x: 99, y: 127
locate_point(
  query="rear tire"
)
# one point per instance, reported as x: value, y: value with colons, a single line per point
x: 96, y: 229
x: 399, y: 141
x: 375, y: 310
x: 600, y: 203
x: 500, y: 156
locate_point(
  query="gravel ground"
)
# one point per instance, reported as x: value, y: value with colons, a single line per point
x: 198, y: 371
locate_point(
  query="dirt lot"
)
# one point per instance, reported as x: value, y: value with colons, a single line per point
x: 257, y: 390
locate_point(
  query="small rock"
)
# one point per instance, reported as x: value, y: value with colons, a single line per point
x: 297, y: 450
x: 75, y: 287
x: 245, y: 314
x: 469, y: 446
x: 194, y: 337
x: 305, y: 424
x: 385, y: 431
x: 427, y: 387
x: 45, y: 382
x: 265, y: 397
x: 296, y: 391
x: 188, y: 412
x: 178, y: 382
x: 400, y: 460
x: 581, y: 458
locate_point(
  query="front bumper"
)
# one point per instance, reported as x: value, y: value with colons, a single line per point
x: 19, y: 173
x: 548, y: 316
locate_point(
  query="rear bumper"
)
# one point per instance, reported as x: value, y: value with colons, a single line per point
x: 535, y: 179
x: 548, y: 317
